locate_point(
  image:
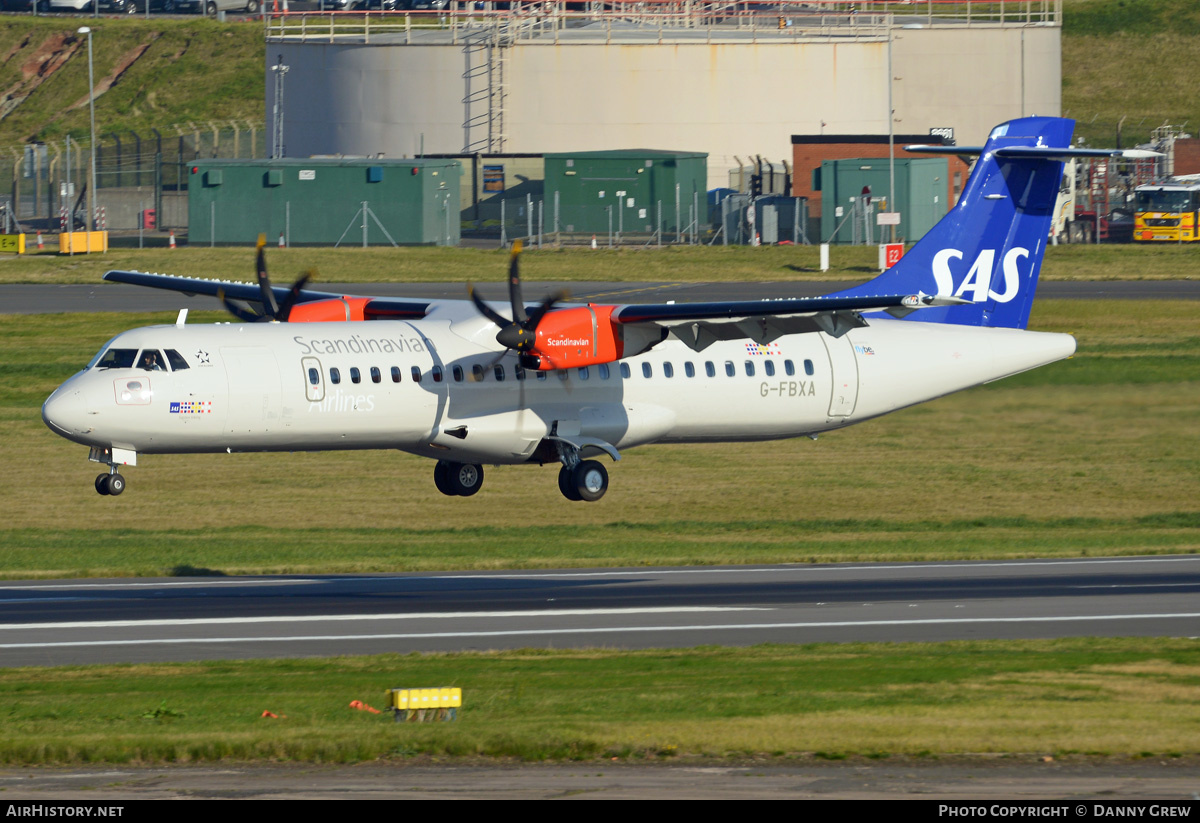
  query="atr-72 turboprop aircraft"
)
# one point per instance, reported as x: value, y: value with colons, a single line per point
x: 564, y: 384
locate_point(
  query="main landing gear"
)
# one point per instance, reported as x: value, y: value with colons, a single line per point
x: 577, y: 479
x: 457, y: 479
x: 111, y: 483
x: 580, y: 479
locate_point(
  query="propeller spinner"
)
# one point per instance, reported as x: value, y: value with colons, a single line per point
x: 520, y: 333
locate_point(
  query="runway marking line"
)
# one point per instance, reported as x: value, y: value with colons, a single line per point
x: 613, y: 630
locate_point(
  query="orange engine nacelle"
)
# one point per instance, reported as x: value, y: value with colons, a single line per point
x: 568, y: 338
x: 329, y: 311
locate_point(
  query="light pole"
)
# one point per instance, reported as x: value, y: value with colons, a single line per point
x: 277, y: 127
x: 92, y: 115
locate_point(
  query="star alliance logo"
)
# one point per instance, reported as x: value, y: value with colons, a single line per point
x: 202, y: 357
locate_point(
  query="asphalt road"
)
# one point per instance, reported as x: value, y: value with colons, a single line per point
x: 115, y: 297
x: 95, y: 621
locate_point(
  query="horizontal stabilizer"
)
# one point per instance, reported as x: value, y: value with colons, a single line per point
x: 1038, y: 152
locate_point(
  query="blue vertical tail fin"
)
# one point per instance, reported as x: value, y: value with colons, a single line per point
x: 988, y: 249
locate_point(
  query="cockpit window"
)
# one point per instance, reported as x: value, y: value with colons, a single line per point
x: 151, y: 360
x: 176, y: 360
x: 117, y: 359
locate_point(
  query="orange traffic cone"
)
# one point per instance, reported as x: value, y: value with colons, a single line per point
x: 40, y: 244
x: 171, y: 242
x: 593, y: 241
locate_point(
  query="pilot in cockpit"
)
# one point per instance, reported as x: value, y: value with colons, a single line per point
x: 151, y: 361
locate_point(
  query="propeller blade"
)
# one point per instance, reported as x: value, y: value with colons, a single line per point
x: 270, y: 307
x: 514, y: 284
x: 486, y: 310
x: 245, y: 315
x: 532, y: 323
x: 285, y: 309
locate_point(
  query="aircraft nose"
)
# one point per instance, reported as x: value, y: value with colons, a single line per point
x: 66, y: 412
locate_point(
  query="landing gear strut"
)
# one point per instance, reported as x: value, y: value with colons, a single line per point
x: 457, y: 479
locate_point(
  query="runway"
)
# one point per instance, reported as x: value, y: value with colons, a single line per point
x: 97, y: 621
x: 116, y: 297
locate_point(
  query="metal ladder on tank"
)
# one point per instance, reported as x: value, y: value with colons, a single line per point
x: 486, y: 52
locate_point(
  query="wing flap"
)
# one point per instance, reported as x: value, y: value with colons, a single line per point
x: 699, y: 325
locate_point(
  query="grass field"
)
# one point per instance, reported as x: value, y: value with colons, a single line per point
x: 1118, y: 698
x: 690, y: 264
x: 1096, y: 455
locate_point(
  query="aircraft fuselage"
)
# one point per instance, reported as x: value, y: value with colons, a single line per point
x: 434, y: 387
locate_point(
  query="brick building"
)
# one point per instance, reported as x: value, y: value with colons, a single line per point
x: 809, y: 150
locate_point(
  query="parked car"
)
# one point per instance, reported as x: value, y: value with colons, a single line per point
x: 375, y: 5
x: 64, y: 5
x: 16, y: 5
x: 133, y: 6
x: 211, y: 7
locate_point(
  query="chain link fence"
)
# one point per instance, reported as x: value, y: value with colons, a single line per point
x: 141, y: 180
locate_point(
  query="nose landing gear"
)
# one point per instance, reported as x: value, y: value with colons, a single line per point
x: 111, y: 483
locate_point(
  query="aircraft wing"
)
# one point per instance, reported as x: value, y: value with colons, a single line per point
x: 699, y: 325
x: 390, y: 307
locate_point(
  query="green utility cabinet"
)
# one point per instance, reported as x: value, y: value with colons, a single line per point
x: 921, y: 198
x: 641, y: 190
x: 325, y: 201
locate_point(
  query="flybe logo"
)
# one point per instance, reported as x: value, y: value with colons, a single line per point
x: 977, y: 284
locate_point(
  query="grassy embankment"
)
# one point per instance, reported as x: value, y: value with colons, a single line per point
x: 1119, y: 59
x: 1117, y: 698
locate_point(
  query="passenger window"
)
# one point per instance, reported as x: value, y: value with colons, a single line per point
x: 808, y: 368
x: 563, y: 374
x: 603, y: 369
x: 710, y: 369
x: 314, y: 376
x: 335, y: 376
x: 416, y: 374
x: 176, y: 360
x: 749, y: 368
x: 457, y: 374
x: 518, y: 372
x: 477, y: 373
x: 375, y: 375
x: 151, y: 360
x: 689, y: 369
x: 541, y: 375
x: 769, y: 367
x: 730, y: 369
x: 436, y: 374
x: 647, y: 371
x: 395, y: 374
x: 789, y: 367
x: 498, y: 370
x: 668, y: 370
x: 355, y: 375
x: 625, y: 370
x: 583, y: 373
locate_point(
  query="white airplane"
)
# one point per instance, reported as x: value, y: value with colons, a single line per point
x: 565, y: 384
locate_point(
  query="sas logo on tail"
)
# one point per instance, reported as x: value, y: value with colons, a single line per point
x: 978, y: 282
